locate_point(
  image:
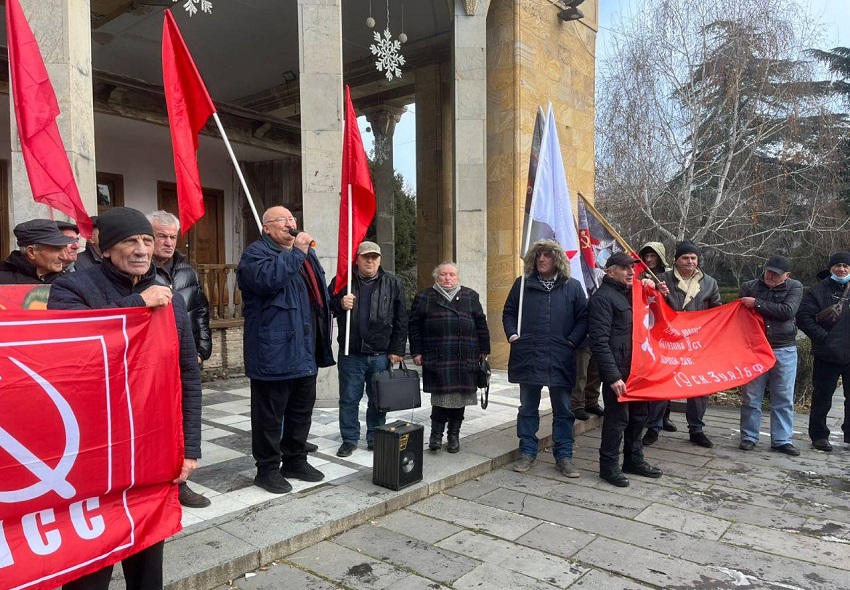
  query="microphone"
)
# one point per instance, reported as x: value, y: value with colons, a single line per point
x: 294, y: 232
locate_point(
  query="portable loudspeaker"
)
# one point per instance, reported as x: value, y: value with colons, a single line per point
x: 398, y: 455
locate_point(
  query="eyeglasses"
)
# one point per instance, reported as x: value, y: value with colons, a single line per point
x: 284, y: 220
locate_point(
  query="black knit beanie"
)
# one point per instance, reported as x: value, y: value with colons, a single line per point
x: 119, y: 223
x: 685, y: 247
x: 838, y: 258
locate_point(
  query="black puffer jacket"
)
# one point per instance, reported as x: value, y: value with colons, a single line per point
x: 181, y: 278
x: 778, y: 306
x: 610, y: 335
x: 831, y: 345
x: 105, y: 287
x: 387, y: 329
x: 16, y: 270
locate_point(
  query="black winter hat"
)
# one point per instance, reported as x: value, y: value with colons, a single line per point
x: 685, y: 247
x: 838, y: 258
x: 119, y: 223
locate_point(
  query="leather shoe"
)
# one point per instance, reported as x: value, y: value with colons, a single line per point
x: 822, y: 444
x: 650, y: 437
x: 272, y: 482
x: 310, y: 447
x: 190, y: 498
x: 668, y: 425
x: 644, y: 469
x: 581, y: 414
x: 303, y: 471
x: 699, y: 438
x: 747, y: 445
x: 345, y: 449
x: 596, y: 410
x: 616, y: 478
x: 787, y: 448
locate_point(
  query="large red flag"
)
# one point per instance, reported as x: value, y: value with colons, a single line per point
x: 36, y: 109
x: 687, y: 354
x: 355, y: 172
x: 189, y: 108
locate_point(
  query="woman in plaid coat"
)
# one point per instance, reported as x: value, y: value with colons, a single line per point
x: 448, y: 336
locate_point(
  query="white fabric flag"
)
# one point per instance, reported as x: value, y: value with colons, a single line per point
x: 551, y: 205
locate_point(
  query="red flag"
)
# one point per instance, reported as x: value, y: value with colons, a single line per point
x: 189, y: 108
x: 98, y: 488
x: 36, y: 109
x: 687, y: 354
x: 355, y: 172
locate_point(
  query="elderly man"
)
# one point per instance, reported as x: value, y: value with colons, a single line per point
x: 691, y: 289
x: 286, y: 338
x: 378, y: 336
x: 91, y: 255
x: 126, y: 279
x: 830, y: 335
x: 39, y: 257
x: 69, y: 256
x: 174, y: 271
x: 610, y: 318
x: 543, y: 353
x: 775, y: 297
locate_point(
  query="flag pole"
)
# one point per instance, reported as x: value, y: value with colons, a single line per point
x: 239, y: 172
x: 348, y: 312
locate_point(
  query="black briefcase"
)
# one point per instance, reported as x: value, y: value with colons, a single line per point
x: 398, y: 455
x: 397, y: 389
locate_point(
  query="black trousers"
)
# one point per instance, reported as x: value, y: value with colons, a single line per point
x: 281, y: 412
x: 824, y: 381
x: 142, y: 571
x: 441, y: 414
x: 621, y: 423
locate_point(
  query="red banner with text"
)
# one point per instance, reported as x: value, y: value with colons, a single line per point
x: 91, y: 437
x: 677, y: 355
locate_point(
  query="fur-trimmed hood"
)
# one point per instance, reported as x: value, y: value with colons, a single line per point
x: 561, y: 262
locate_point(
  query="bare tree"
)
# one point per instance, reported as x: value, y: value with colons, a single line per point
x: 711, y: 128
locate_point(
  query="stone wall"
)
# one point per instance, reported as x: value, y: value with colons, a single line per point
x: 533, y: 58
x: 226, y: 358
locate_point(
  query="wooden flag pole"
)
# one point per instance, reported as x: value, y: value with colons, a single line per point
x: 239, y: 173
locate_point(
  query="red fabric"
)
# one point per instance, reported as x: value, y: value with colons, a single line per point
x: 355, y: 171
x: 677, y: 355
x: 90, y: 439
x: 189, y: 109
x: 36, y: 109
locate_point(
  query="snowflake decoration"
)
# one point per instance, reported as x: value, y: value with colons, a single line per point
x: 389, y: 54
x: 191, y: 6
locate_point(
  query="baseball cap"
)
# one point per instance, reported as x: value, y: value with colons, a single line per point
x: 368, y: 248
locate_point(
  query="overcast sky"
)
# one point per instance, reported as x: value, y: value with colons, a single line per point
x: 834, y: 14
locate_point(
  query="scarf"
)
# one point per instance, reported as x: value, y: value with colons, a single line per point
x: 690, y: 287
x: 548, y: 284
x: 450, y: 294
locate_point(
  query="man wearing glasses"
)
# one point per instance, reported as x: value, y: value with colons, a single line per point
x: 286, y: 338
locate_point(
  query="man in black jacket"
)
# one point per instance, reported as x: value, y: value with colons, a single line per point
x: 377, y: 339
x: 610, y: 335
x: 830, y: 347
x: 126, y: 279
x: 91, y: 256
x: 39, y: 257
x: 174, y: 271
x: 776, y: 298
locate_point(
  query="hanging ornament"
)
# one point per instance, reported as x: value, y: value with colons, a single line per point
x: 388, y: 52
x: 191, y: 6
x: 370, y: 22
x: 402, y: 36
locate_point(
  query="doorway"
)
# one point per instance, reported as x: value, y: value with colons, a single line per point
x: 204, y: 244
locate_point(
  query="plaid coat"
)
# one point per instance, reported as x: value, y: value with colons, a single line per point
x: 450, y: 336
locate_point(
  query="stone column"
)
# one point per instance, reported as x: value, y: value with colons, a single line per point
x: 63, y: 31
x: 383, y: 120
x: 469, y: 59
x: 320, y: 76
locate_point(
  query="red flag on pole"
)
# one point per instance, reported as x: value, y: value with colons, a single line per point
x: 189, y: 108
x: 36, y: 109
x: 355, y: 172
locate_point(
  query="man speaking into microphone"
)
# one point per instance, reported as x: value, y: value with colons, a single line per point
x: 287, y: 336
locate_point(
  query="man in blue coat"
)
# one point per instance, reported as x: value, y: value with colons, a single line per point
x: 286, y: 338
x: 543, y: 352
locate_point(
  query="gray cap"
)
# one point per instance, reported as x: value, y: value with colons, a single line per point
x: 40, y: 231
x: 368, y: 248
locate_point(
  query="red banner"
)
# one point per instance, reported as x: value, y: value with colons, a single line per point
x: 90, y: 439
x: 677, y: 355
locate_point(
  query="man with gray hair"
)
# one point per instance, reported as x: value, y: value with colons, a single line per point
x: 41, y: 246
x: 174, y: 271
x: 543, y: 352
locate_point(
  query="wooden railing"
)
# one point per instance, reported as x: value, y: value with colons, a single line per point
x: 219, y: 283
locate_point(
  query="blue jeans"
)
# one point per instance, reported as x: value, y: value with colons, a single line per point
x: 781, y: 379
x: 528, y: 420
x: 355, y: 372
x: 655, y: 417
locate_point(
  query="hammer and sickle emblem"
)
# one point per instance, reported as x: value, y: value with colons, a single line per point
x: 49, y: 480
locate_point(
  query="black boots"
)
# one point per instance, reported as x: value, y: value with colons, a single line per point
x: 436, y: 439
x: 453, y: 438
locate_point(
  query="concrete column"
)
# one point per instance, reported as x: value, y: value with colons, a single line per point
x: 469, y: 59
x: 383, y: 120
x: 63, y: 31
x: 320, y: 76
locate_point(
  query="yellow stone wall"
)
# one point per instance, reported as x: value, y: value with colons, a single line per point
x: 533, y: 58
